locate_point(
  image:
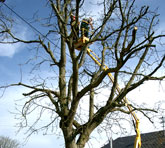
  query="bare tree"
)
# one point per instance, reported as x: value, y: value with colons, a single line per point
x: 6, y: 142
x: 124, y: 39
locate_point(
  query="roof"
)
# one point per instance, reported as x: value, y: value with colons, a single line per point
x: 149, y: 140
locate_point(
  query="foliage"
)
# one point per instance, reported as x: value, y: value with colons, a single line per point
x: 6, y: 142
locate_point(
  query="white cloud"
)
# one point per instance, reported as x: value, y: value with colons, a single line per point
x: 9, y: 50
x: 8, y: 123
x: 40, y: 141
x: 149, y: 93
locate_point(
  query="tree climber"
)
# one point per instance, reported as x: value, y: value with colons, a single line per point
x: 75, y: 27
x: 2, y: 0
x: 85, y: 26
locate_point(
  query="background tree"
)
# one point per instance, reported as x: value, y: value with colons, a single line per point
x: 123, y: 38
x: 6, y: 142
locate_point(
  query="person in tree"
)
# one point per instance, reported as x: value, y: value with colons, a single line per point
x: 86, y: 22
x: 75, y: 27
x: 2, y: 0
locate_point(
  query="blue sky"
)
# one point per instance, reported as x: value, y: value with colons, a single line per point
x: 12, y: 56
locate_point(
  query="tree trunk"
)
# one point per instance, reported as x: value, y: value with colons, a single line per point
x: 71, y: 142
x: 71, y: 145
